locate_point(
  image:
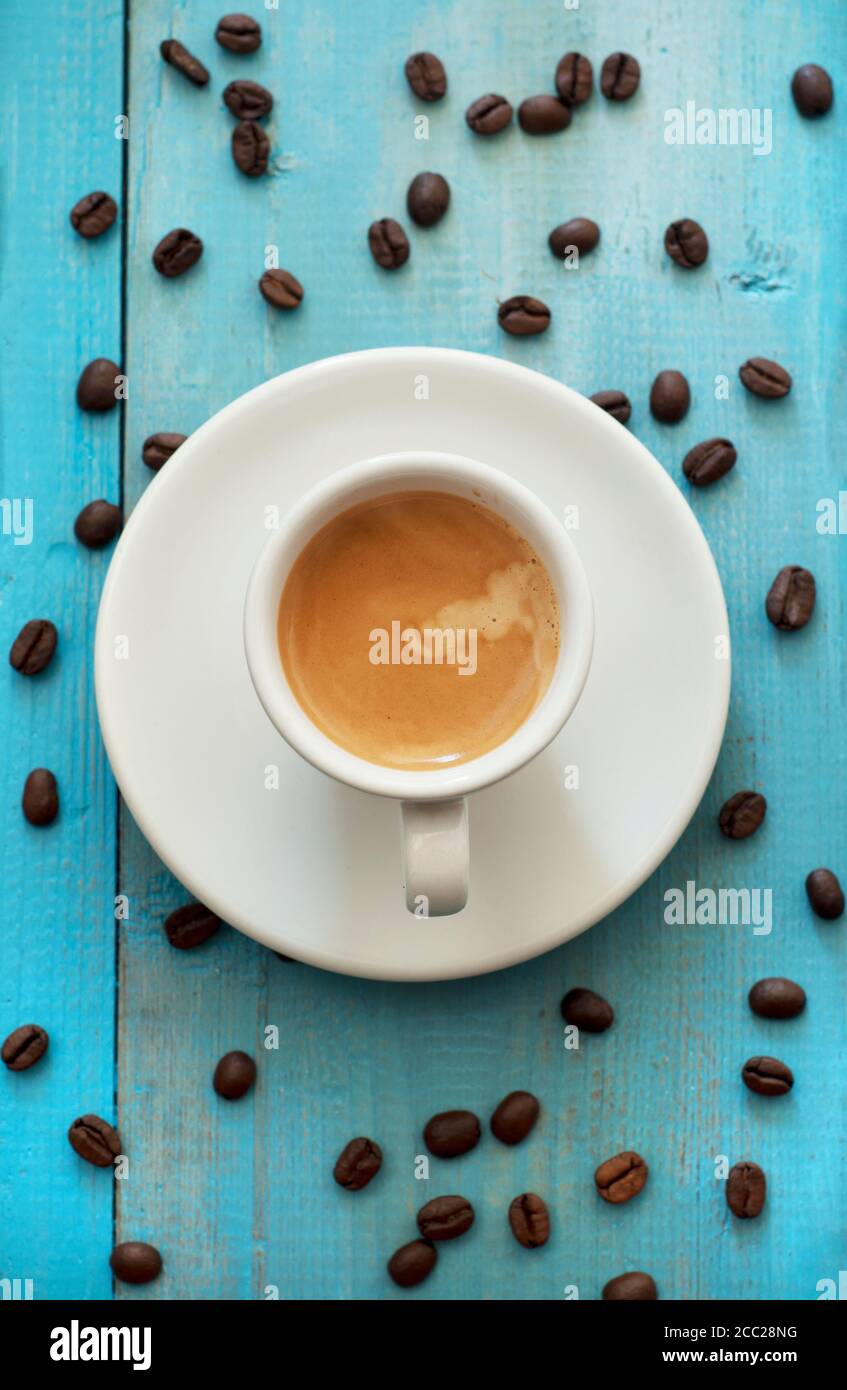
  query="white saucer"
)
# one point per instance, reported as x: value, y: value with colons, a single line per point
x: 313, y: 868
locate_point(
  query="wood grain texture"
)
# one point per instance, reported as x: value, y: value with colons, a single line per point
x: 240, y: 1197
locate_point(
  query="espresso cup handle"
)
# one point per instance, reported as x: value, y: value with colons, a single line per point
x: 435, y: 856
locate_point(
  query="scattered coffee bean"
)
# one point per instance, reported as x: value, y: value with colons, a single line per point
x: 670, y: 397
x: 95, y: 1140
x: 777, y: 997
x: 179, y: 57
x: 686, y: 243
x: 543, y: 115
x: 40, y: 800
x: 97, y: 524
x: 825, y: 894
x: 177, y: 252
x: 94, y: 214
x: 428, y: 199
x: 765, y: 378
x: 158, y: 448
x: 746, y: 1189
x: 489, y: 115
x: 24, y: 1047
x: 412, y: 1263
x: 615, y: 403
x: 587, y: 1011
x: 451, y: 1133
x: 574, y: 78
x: 134, y: 1262
x: 529, y: 1220
x: 95, y: 390
x: 281, y: 289
x: 389, y: 243
x: 767, y: 1076
x: 33, y: 648
x: 742, y: 815
x: 251, y: 148
x: 514, y: 1117
x: 234, y: 1075
x: 635, y: 1287
x: 621, y: 1178
x: 239, y: 33
x: 811, y: 88
x: 289, y: 960
x: 791, y: 598
x: 358, y: 1162
x: 709, y: 461
x: 522, y: 315
x: 620, y: 76
x: 426, y: 76
x: 580, y: 232
x: 248, y: 101
x: 190, y: 926
x: 445, y: 1218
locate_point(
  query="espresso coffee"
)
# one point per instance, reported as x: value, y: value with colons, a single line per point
x: 418, y: 630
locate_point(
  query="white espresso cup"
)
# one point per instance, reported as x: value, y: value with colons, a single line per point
x: 433, y: 808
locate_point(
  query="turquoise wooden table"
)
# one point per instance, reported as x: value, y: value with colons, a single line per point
x: 240, y: 1199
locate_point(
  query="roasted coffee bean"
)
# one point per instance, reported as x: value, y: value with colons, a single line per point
x: 426, y: 76
x: 94, y: 214
x: 686, y: 243
x: 825, y: 894
x: 587, y: 1011
x: 489, y: 115
x: 767, y: 1076
x: 358, y: 1162
x: 574, y: 78
x: 445, y: 1218
x: 177, y: 252
x: 135, y: 1262
x: 777, y: 997
x: 452, y: 1132
x: 251, y: 148
x: 289, y: 960
x: 24, y: 1047
x: 97, y: 524
x: 529, y: 1220
x: 158, y: 448
x: 670, y: 397
x: 709, y: 461
x: 615, y: 403
x: 742, y: 815
x: 811, y: 88
x: 791, y: 598
x: 522, y: 315
x: 190, y: 926
x: 621, y: 1178
x: 40, y: 800
x: 412, y: 1263
x: 635, y: 1287
x: 746, y: 1189
x: 239, y: 33
x: 33, y: 648
x: 428, y: 199
x: 543, y: 115
x: 179, y: 57
x: 580, y: 232
x: 765, y: 378
x: 98, y: 382
x: 281, y: 289
x: 234, y: 1075
x: 620, y: 76
x: 248, y: 101
x: 389, y: 243
x: 514, y: 1117
x: 95, y: 1140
